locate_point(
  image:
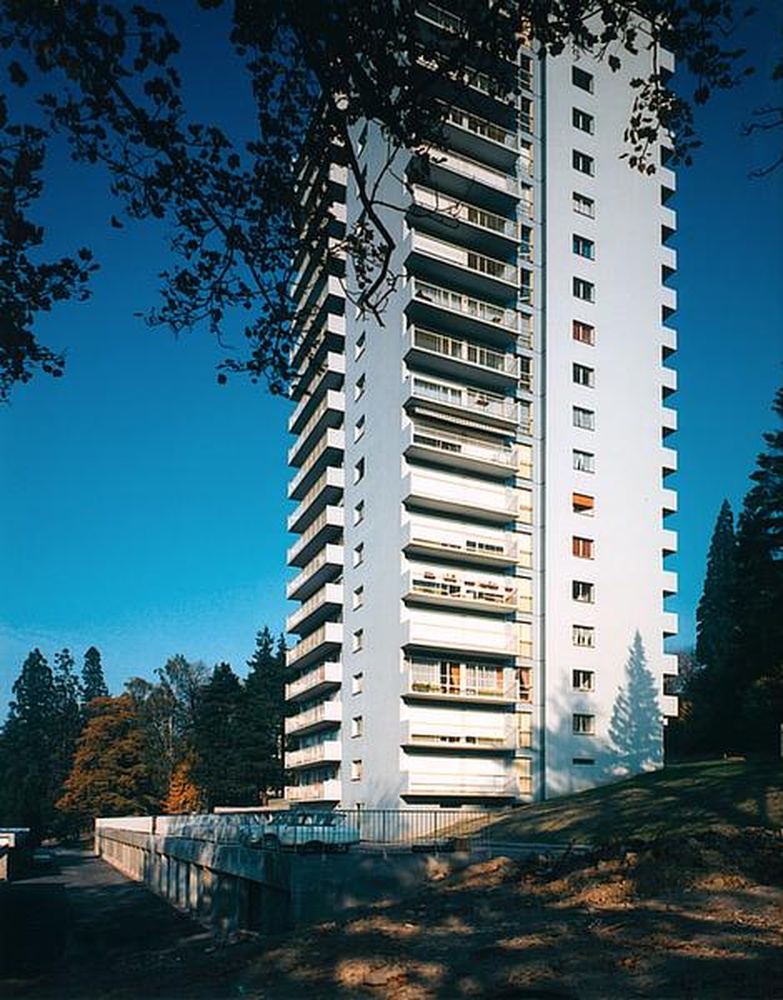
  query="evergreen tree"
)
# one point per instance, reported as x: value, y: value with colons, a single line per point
x: 27, y: 765
x: 110, y: 774
x: 636, y: 726
x: 716, y: 618
x: 264, y: 712
x: 67, y: 722
x: 222, y: 739
x: 93, y: 682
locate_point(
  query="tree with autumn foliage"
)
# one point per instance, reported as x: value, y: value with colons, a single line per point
x: 110, y: 774
x: 184, y: 795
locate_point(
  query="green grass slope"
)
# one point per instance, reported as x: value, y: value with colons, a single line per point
x: 681, y: 799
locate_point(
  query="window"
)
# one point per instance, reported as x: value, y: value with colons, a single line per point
x: 361, y: 343
x: 358, y: 512
x: 582, y: 503
x: 358, y: 597
x: 582, y: 162
x: 584, y: 418
x: 583, y: 247
x: 584, y: 290
x: 358, y: 428
x: 357, y: 770
x: 582, y: 548
x: 583, y: 635
x: 582, y: 120
x: 357, y: 641
x: 525, y: 684
x: 582, y: 79
x: 583, y: 461
x: 584, y: 205
x: 357, y: 726
x: 359, y: 470
x: 361, y: 385
x: 358, y: 554
x: 582, y: 375
x: 583, y: 591
x: 583, y: 680
x: 357, y: 683
x: 584, y: 333
x: 525, y: 731
x: 583, y: 725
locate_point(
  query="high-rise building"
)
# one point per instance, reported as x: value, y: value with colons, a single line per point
x: 480, y: 476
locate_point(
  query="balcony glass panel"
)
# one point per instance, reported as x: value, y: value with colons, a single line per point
x: 478, y: 401
x: 464, y: 445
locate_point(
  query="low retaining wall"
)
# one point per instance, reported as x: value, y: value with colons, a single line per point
x: 233, y: 887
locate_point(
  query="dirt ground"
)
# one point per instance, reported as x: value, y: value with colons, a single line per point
x: 680, y: 917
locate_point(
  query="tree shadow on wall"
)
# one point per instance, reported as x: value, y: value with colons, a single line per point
x: 636, y: 726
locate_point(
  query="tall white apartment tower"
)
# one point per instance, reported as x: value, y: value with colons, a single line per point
x: 481, y: 481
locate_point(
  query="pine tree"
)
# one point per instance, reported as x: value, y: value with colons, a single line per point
x: 716, y: 617
x: 264, y: 710
x: 636, y: 726
x: 93, y: 682
x: 28, y: 779
x: 221, y: 742
x: 67, y: 723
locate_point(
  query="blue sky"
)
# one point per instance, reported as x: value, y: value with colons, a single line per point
x: 143, y: 506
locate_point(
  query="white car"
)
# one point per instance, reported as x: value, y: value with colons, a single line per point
x: 310, y: 831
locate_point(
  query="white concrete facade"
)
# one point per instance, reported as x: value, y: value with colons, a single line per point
x: 480, y: 481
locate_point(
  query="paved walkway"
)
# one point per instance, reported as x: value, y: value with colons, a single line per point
x: 77, y: 929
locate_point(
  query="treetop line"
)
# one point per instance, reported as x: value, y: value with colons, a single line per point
x: 108, y: 81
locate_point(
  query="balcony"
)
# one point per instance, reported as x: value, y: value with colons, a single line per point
x: 669, y: 587
x: 670, y: 623
x: 329, y: 412
x: 313, y: 380
x: 669, y: 461
x: 443, y: 630
x: 327, y: 489
x: 465, y: 542
x: 464, y: 400
x: 323, y: 324
x: 328, y: 451
x: 329, y: 790
x: 474, y: 273
x: 668, y: 381
x: 315, y: 682
x: 328, y: 713
x: 319, y: 645
x: 328, y: 752
x: 435, y: 784
x: 465, y: 359
x: 324, y: 603
x: 458, y: 495
x: 327, y: 527
x: 445, y: 680
x: 460, y: 451
x: 481, y: 139
x: 327, y: 565
x: 450, y: 739
x: 470, y: 180
x: 468, y: 315
x: 668, y: 420
x: 446, y: 217
x: 426, y: 584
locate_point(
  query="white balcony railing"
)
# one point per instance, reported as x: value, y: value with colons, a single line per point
x: 325, y: 713
x: 461, y: 680
x: 452, y: 587
x: 478, y: 309
x: 329, y: 790
x: 478, y: 401
x: 329, y: 634
x: 330, y: 517
x: 331, y: 594
x: 478, y: 264
x: 468, y: 352
x: 481, y: 127
x: 324, y: 675
x: 461, y: 211
x: 460, y: 785
x: 464, y: 446
x: 474, y: 171
x: 328, y: 751
x: 333, y: 439
x: 330, y: 556
x: 462, y: 539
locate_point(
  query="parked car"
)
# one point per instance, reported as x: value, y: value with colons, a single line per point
x: 310, y: 831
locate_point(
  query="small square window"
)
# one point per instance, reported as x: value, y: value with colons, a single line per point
x: 357, y: 770
x: 584, y: 418
x: 584, y: 205
x: 357, y: 683
x: 583, y: 635
x: 357, y: 641
x: 583, y: 591
x: 358, y: 597
x: 584, y: 333
x: 582, y: 162
x: 583, y: 247
x: 582, y: 79
x: 582, y: 548
x: 582, y: 503
x: 584, y: 290
x: 583, y: 680
x: 358, y: 512
x: 583, y: 375
x: 359, y: 388
x: 358, y: 554
x: 584, y: 725
x: 358, y: 428
x: 582, y: 120
x: 583, y: 461
x: 361, y: 343
x: 357, y: 726
x: 359, y: 470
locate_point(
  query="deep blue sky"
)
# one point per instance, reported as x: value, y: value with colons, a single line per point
x: 143, y: 506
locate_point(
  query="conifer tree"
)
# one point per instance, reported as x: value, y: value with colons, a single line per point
x: 93, y: 681
x: 264, y: 710
x: 221, y: 742
x: 635, y: 728
x: 67, y: 722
